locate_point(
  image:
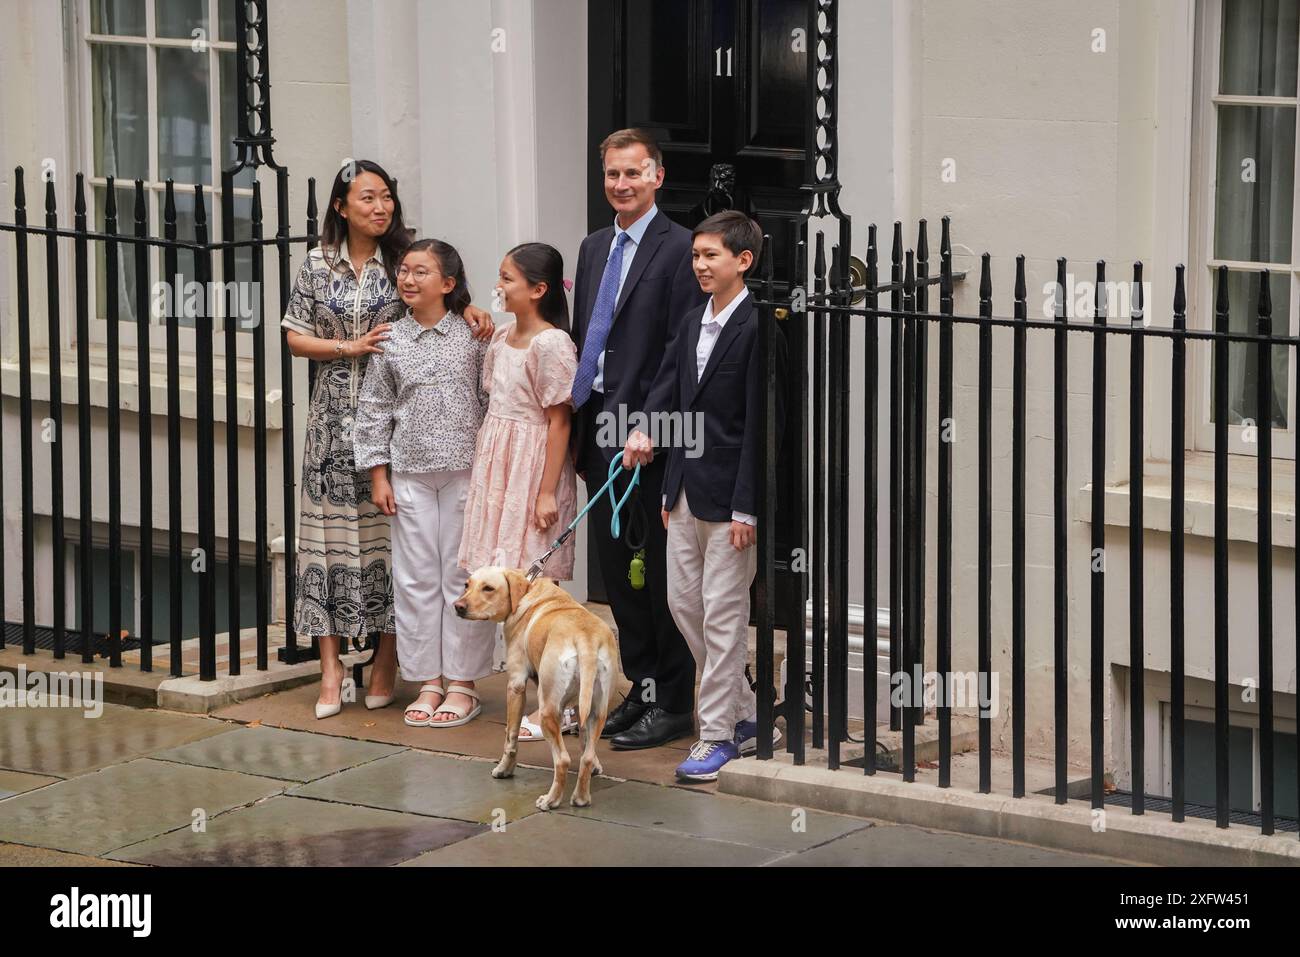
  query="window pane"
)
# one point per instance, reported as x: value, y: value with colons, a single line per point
x: 120, y: 17
x: 1198, y: 772
x: 99, y: 562
x: 225, y: 19
x: 1243, y: 312
x: 229, y: 123
x: 180, y: 18
x: 244, y: 260
x: 184, y: 126
x: 1259, y: 47
x: 120, y: 94
x: 124, y: 287
x: 184, y: 257
x: 1255, y: 184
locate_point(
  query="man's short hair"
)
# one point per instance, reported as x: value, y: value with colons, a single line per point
x: 622, y: 138
x: 737, y: 230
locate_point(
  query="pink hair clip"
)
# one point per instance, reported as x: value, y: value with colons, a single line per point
x: 568, y: 284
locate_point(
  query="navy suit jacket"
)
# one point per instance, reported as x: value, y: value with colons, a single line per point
x: 728, y: 398
x: 659, y: 291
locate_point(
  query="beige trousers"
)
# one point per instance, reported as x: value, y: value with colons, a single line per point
x: 708, y: 593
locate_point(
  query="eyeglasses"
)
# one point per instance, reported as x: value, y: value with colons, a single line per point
x: 419, y: 273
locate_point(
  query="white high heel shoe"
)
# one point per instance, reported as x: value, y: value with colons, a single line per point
x: 329, y: 710
x: 377, y: 701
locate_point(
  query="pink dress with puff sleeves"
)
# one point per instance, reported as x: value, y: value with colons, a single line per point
x: 510, y: 456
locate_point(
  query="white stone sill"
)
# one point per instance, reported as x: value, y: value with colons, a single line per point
x: 40, y: 370
x: 1198, y: 509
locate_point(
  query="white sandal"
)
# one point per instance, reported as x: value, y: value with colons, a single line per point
x: 416, y: 705
x: 568, y: 725
x: 462, y: 716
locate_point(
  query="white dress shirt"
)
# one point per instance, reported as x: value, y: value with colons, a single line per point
x: 635, y: 233
x: 711, y: 327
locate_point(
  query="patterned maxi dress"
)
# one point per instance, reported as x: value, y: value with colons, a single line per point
x: 343, y: 582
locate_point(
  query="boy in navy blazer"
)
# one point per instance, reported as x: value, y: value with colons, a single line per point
x: 710, y: 490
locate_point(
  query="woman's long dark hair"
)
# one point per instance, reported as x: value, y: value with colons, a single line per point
x: 542, y: 263
x: 335, y: 228
x: 450, y: 265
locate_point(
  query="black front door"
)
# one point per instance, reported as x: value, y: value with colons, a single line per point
x: 718, y: 83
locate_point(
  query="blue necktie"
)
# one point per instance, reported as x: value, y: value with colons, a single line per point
x: 602, y: 320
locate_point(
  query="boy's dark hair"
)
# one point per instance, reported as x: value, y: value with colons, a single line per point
x: 541, y: 263
x: 451, y: 266
x: 737, y: 230
x: 622, y: 138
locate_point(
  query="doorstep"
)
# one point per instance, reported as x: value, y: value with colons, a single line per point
x: 129, y: 685
x: 1150, y: 838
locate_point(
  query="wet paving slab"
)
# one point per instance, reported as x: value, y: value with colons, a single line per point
x: 547, y: 839
x: 277, y: 753
x: 886, y: 845
x: 717, y: 816
x: 19, y: 855
x: 297, y: 832
x: 100, y: 812
x: 483, y: 737
x: 64, y: 741
x: 16, y: 782
x: 416, y: 782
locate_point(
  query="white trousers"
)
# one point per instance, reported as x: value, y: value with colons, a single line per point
x: 708, y: 593
x: 431, y: 639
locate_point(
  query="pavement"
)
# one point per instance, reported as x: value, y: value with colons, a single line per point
x: 262, y: 782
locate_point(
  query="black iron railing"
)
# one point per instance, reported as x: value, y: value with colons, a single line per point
x: 199, y: 251
x: 834, y: 330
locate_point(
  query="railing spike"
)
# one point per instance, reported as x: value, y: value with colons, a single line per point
x: 1265, y: 295
x: 20, y: 191
x: 1180, y: 293
x: 79, y: 196
x: 1020, y: 278
x: 986, y: 278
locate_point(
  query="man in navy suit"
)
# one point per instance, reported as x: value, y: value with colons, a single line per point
x: 710, y: 493
x: 633, y: 288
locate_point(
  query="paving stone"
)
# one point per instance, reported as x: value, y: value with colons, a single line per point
x: 899, y: 844
x: 16, y: 782
x: 421, y: 783
x: 64, y: 742
x: 548, y: 839
x: 716, y: 816
x: 96, y: 813
x: 295, y: 832
x: 276, y: 753
x: 16, y: 855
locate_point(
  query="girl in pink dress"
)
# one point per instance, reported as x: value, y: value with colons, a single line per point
x: 523, y: 491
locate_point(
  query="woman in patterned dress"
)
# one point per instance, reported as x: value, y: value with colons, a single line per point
x: 342, y: 306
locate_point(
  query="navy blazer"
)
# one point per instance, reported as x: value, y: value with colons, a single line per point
x: 728, y: 398
x: 659, y: 291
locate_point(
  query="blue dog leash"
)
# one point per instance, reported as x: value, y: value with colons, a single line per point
x: 615, y: 527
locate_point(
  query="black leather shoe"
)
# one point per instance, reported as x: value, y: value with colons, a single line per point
x: 623, y: 717
x: 654, y: 728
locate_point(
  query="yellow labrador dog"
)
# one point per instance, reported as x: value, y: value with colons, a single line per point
x: 568, y: 650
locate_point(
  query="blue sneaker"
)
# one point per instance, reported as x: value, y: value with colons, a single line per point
x: 706, y: 759
x: 747, y: 736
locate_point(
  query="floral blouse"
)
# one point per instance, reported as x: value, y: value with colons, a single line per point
x: 422, y: 402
